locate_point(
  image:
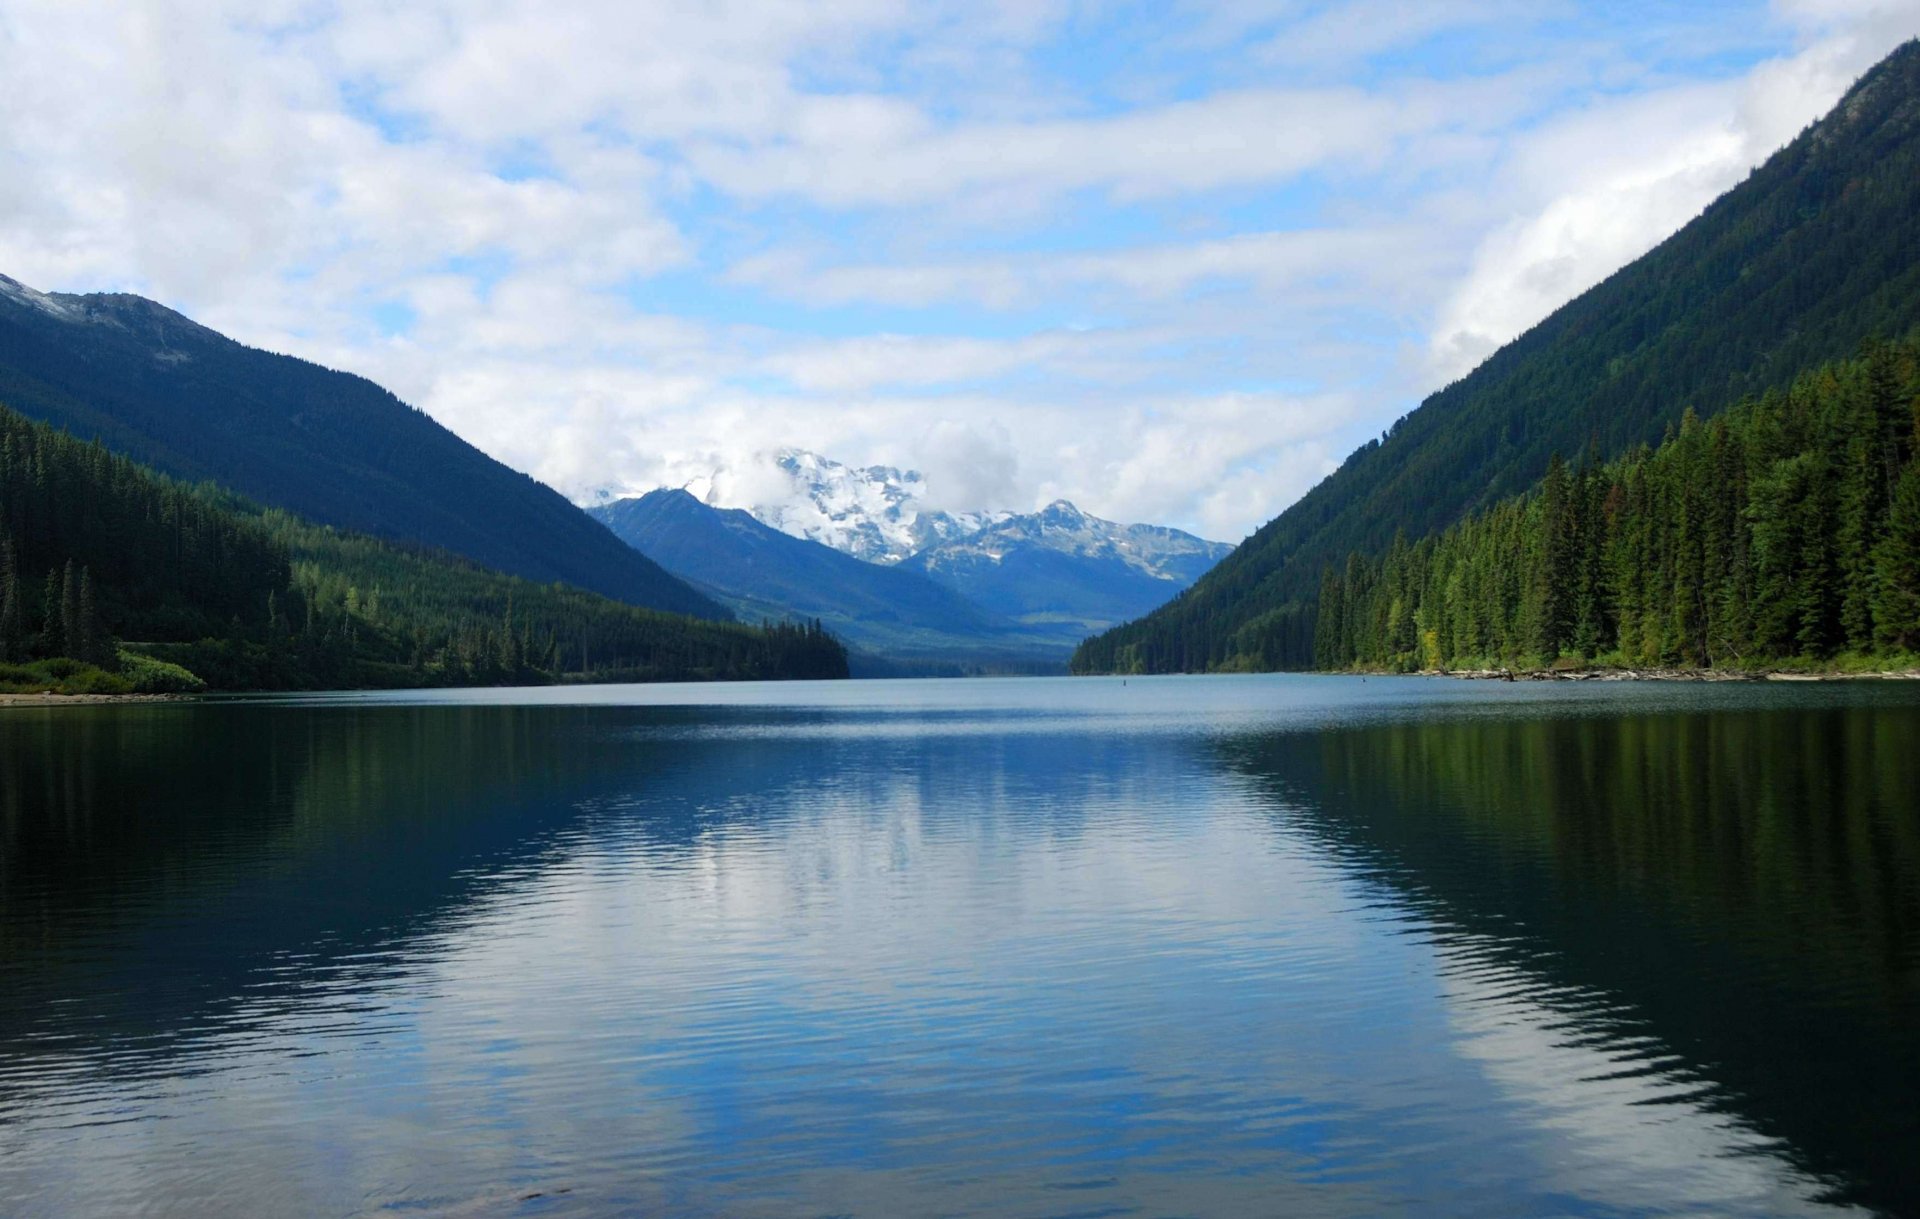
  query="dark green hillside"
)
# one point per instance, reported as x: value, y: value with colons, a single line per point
x: 1818, y: 249
x: 330, y: 446
x: 440, y: 613
x: 1785, y: 529
x: 95, y: 549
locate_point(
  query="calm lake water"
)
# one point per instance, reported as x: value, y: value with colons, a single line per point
x: 1196, y: 946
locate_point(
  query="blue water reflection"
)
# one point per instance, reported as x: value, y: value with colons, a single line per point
x: 1215, y: 947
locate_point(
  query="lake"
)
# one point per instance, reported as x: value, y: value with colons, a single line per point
x: 1051, y: 947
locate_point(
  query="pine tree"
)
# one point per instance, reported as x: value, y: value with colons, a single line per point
x: 12, y: 615
x: 53, y: 636
x: 1896, y: 600
x: 71, y: 638
x: 1548, y: 610
x: 1761, y: 535
x: 88, y: 642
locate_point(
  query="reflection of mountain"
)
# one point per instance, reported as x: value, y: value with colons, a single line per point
x: 241, y: 834
x: 158, y: 864
x: 1365, y: 966
x: 1738, y: 890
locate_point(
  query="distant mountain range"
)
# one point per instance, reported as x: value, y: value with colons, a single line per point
x: 1062, y: 567
x: 876, y: 513
x: 857, y: 548
x: 1818, y: 250
x: 882, y: 611
x: 331, y: 446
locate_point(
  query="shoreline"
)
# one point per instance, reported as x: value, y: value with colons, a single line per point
x: 1662, y: 674
x: 46, y: 699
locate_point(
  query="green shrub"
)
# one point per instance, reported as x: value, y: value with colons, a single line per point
x: 60, y: 675
x: 151, y: 675
x: 90, y: 680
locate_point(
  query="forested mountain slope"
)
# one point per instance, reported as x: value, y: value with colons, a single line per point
x: 763, y: 572
x: 95, y: 549
x: 1818, y: 249
x: 328, y: 445
x: 1786, y: 529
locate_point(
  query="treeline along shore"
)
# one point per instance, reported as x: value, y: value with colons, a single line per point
x: 1783, y: 534
x: 115, y: 579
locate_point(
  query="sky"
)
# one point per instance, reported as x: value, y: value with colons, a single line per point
x: 1169, y: 261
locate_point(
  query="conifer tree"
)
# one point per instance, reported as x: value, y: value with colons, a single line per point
x: 71, y: 639
x: 88, y: 643
x: 1896, y: 599
x: 12, y: 614
x: 53, y: 636
x: 1763, y: 535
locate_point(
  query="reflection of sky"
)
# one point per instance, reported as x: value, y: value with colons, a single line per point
x: 1025, y: 972
x: 1628, y: 1121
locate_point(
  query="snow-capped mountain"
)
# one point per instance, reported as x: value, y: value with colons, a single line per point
x: 1057, y: 570
x: 874, y: 513
x: 900, y: 616
x: 1062, y: 565
x: 1155, y: 551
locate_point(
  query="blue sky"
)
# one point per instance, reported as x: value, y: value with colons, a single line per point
x: 1170, y: 261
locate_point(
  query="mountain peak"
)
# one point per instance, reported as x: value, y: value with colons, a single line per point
x: 876, y: 513
x: 1883, y: 104
x: 678, y: 498
x: 1809, y: 255
x: 48, y: 303
x: 1061, y: 511
x: 147, y: 320
x: 1152, y: 551
x: 324, y: 444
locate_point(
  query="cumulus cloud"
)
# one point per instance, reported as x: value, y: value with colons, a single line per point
x: 1596, y: 188
x: 1336, y: 34
x: 973, y: 466
x: 1379, y: 259
x: 1168, y: 265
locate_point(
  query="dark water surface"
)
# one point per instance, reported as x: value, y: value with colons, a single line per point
x: 1214, y: 946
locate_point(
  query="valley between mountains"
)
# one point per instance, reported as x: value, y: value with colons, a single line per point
x: 909, y: 587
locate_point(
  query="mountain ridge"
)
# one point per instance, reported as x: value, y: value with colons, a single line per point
x: 337, y: 448
x: 1795, y: 266
x: 873, y: 512
x: 1064, y: 564
x: 884, y: 610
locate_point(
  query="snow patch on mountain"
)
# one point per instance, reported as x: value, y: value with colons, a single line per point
x: 33, y: 298
x: 1152, y: 550
x: 876, y: 513
x: 880, y: 514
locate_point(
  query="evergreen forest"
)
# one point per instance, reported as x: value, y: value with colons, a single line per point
x: 1783, y: 531
x: 114, y: 577
x: 1786, y: 272
x: 332, y: 447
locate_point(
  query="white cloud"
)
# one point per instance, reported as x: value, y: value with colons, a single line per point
x: 1595, y: 189
x: 1338, y: 33
x: 1168, y: 265
x: 1379, y: 260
